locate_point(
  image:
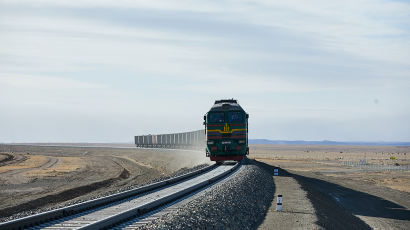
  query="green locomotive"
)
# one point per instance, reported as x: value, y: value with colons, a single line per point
x: 226, y: 127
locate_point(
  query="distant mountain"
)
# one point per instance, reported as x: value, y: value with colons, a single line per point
x: 324, y: 142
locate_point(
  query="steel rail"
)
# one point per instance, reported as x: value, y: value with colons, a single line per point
x: 107, y: 211
x: 39, y: 218
x: 140, y: 207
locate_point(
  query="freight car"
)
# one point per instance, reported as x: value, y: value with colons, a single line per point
x: 190, y: 140
x: 226, y: 128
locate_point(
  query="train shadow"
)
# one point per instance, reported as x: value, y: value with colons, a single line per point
x: 330, y: 215
x: 357, y: 202
x: 336, y: 206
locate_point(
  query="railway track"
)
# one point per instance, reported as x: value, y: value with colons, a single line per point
x: 112, y: 210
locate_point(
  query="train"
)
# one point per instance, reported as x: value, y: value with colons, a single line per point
x: 224, y: 138
x: 226, y: 128
x: 185, y: 140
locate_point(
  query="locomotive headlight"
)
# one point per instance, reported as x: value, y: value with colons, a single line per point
x: 241, y: 141
x: 210, y: 142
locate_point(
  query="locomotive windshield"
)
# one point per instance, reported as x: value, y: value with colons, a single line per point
x: 216, y: 118
x: 235, y: 117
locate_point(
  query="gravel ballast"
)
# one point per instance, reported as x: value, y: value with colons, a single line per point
x: 238, y: 202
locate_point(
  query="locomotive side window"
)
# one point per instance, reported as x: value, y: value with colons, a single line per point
x: 235, y: 117
x: 216, y: 118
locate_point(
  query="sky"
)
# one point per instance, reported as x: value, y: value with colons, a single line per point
x: 104, y: 71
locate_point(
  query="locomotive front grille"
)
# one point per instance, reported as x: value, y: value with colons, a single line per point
x: 226, y: 134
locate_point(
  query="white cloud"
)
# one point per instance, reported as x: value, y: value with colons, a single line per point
x: 104, y: 60
x: 366, y: 29
x: 181, y: 5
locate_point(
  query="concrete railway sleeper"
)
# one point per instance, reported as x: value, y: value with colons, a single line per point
x: 111, y: 210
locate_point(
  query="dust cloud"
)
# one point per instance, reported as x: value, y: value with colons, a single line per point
x: 187, y: 159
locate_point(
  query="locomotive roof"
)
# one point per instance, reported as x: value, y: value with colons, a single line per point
x: 226, y: 105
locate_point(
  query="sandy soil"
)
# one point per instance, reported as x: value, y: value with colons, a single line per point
x: 376, y: 198
x: 318, y: 190
x: 43, y: 176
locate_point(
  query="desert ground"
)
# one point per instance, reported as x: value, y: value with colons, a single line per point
x: 323, y: 187
x: 33, y: 177
x: 365, y: 185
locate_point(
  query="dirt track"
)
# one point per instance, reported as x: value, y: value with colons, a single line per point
x: 17, y: 176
